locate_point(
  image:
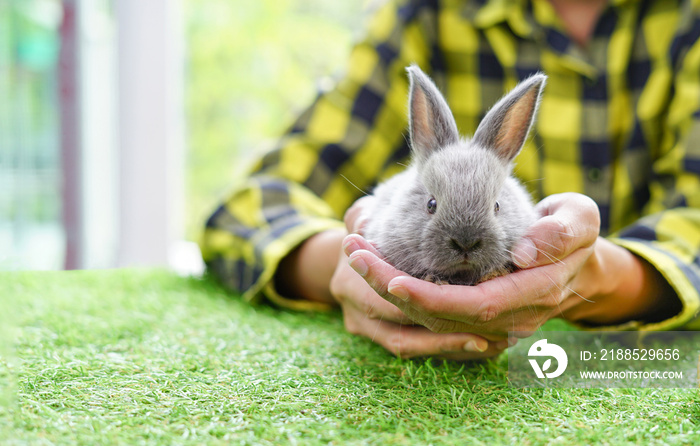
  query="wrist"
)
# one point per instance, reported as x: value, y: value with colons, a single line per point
x: 623, y: 287
x: 307, y: 271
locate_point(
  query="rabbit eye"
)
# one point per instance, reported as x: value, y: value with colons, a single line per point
x: 432, y: 206
x: 496, y: 208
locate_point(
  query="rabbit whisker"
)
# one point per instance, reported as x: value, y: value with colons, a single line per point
x: 353, y: 184
x: 512, y: 313
x: 568, y: 289
x: 531, y: 309
x: 568, y: 234
x: 546, y: 243
x: 376, y: 330
x: 552, y: 258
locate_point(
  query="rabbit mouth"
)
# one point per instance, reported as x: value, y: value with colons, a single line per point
x: 463, y: 272
x: 468, y: 271
x: 461, y: 277
x: 466, y: 263
x: 461, y: 268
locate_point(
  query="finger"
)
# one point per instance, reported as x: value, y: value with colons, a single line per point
x: 569, y: 222
x: 412, y: 341
x: 376, y: 272
x: 494, y: 307
x: 444, y: 308
x: 354, y: 218
x: 376, y: 308
x: 440, y: 308
x: 355, y: 242
x: 351, y: 290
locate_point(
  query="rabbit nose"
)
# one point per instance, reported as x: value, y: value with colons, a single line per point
x: 465, y: 246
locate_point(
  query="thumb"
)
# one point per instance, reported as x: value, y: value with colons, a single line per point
x: 570, y: 221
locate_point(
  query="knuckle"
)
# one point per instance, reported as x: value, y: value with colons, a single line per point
x: 587, y: 226
x: 554, y: 298
x: 564, y: 238
x: 489, y: 312
x: 370, y: 310
x: 592, y: 209
x: 550, y: 300
x: 427, y: 308
x: 396, y: 346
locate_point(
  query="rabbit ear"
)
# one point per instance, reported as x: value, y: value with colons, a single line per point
x: 506, y: 125
x: 431, y: 124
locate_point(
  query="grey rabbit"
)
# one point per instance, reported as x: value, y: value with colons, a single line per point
x: 456, y: 212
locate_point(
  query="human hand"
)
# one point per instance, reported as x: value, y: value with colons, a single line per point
x: 565, y: 269
x: 367, y: 314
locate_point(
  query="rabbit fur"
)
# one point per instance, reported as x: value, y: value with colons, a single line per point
x: 456, y: 212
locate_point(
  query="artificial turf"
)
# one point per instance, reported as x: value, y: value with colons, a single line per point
x: 148, y: 357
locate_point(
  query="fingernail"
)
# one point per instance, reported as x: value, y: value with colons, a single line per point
x: 524, y: 253
x: 476, y: 345
x: 399, y: 291
x: 359, y: 266
x: 512, y: 341
x: 350, y: 246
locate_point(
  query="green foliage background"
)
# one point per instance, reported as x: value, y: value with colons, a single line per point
x: 252, y: 66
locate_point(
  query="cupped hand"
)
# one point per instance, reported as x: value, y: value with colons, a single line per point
x: 367, y: 314
x: 561, y: 273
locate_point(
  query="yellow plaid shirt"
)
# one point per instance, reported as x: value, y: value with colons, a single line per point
x: 619, y: 121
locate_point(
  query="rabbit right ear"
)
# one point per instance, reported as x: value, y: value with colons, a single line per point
x: 506, y: 125
x: 431, y: 124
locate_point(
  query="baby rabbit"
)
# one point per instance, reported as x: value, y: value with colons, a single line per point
x: 456, y: 212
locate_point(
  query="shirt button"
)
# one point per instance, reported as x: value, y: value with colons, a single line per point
x: 594, y: 174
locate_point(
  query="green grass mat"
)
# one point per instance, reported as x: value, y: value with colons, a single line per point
x: 146, y: 357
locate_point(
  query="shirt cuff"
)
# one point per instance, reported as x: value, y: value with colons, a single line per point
x: 277, y: 250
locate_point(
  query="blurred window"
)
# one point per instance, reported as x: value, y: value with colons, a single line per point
x: 31, y: 234
x: 249, y: 68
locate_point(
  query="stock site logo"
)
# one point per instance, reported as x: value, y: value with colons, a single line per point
x: 542, y: 349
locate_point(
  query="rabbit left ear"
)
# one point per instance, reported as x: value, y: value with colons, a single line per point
x: 507, y: 124
x: 431, y: 124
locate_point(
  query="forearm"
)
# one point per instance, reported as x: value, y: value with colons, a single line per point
x: 307, y: 271
x: 622, y: 287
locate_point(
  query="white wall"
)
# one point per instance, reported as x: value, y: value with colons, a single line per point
x: 127, y: 141
x: 98, y: 105
x: 150, y: 129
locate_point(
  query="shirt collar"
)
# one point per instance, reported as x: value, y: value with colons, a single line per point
x: 517, y: 13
